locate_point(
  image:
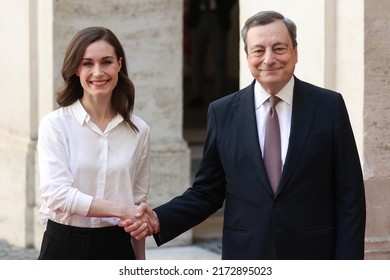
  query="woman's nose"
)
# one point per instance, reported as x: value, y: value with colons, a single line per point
x: 97, y: 70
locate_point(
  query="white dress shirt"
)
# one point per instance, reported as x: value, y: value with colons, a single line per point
x: 284, y: 109
x: 78, y: 161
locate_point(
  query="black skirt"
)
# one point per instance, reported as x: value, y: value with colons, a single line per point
x: 64, y: 242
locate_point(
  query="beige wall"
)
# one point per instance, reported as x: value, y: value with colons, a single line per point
x: 343, y: 45
x: 18, y: 91
x: 38, y: 35
x: 152, y: 41
x: 377, y: 126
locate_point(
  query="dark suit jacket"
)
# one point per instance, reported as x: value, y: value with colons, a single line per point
x: 224, y: 7
x: 318, y: 211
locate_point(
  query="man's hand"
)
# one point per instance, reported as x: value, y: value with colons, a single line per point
x: 145, y: 224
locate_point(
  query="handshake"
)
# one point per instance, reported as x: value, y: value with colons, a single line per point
x: 143, y: 223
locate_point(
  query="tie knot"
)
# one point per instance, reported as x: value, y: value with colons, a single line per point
x: 273, y: 100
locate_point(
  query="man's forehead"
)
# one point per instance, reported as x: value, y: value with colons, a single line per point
x: 274, y: 45
x: 269, y: 34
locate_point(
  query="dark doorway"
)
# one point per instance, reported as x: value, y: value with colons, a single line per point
x: 195, y: 117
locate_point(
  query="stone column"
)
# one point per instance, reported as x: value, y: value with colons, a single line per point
x: 18, y: 122
x: 36, y: 39
x: 377, y: 127
x: 151, y: 34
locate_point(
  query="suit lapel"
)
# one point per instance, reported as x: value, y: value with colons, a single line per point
x: 302, y: 116
x: 244, y: 107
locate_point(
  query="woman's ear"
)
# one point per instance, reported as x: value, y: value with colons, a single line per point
x: 120, y: 64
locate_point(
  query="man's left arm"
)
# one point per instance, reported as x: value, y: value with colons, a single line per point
x: 350, y: 194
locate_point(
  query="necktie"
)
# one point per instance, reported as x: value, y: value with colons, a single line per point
x: 272, y: 147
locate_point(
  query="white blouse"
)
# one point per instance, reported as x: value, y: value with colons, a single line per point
x: 78, y: 162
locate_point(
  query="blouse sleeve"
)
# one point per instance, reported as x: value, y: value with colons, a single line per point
x: 55, y: 177
x: 142, y: 180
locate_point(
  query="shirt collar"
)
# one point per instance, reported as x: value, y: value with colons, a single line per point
x: 79, y: 112
x: 82, y: 116
x: 286, y: 93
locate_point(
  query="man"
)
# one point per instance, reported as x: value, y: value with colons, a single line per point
x: 318, y: 209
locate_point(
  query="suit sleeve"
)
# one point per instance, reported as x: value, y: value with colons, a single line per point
x: 202, y: 199
x: 351, y: 208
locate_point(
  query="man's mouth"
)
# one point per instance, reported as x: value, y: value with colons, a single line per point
x: 270, y: 70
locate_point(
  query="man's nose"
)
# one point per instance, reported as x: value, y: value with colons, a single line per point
x: 269, y: 57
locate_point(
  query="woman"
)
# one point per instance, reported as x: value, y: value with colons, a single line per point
x: 94, y: 155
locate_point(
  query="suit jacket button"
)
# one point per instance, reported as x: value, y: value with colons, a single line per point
x: 275, y: 204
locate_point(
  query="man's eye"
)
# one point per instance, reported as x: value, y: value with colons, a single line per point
x: 280, y: 50
x: 257, y: 52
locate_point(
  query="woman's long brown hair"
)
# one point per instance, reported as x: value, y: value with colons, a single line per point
x: 123, y: 94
